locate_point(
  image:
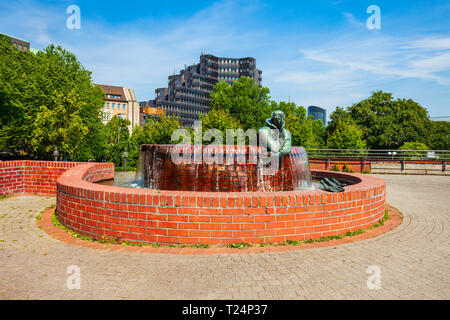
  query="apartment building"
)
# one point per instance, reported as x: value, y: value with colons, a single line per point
x: 188, y: 93
x: 122, y: 102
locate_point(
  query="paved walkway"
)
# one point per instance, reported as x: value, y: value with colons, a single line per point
x: 413, y: 260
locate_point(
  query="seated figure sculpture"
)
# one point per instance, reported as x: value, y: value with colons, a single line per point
x: 274, y: 136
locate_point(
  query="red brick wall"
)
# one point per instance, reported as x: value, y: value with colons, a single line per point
x: 31, y: 177
x: 356, y: 165
x: 143, y: 215
x: 11, y: 177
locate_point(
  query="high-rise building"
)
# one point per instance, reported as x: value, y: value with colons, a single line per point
x: 122, y: 102
x: 188, y: 93
x: 318, y: 113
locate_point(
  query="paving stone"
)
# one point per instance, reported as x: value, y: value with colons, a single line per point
x: 413, y: 260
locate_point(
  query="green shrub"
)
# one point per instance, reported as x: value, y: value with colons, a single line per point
x: 346, y: 168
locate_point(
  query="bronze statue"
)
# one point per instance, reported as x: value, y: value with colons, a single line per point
x: 274, y: 136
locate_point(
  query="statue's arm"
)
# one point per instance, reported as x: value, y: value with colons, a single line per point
x: 286, y: 143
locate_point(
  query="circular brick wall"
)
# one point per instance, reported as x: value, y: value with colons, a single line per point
x: 143, y: 215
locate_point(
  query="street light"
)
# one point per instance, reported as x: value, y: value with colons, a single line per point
x: 125, y: 156
x: 56, y: 154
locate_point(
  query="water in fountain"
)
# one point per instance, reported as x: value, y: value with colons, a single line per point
x: 159, y: 171
x: 301, y: 173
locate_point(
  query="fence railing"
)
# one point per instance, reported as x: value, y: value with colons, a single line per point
x: 417, y: 155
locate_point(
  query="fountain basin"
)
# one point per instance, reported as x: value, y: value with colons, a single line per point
x: 195, y: 217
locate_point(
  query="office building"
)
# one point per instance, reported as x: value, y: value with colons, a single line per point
x: 188, y: 93
x: 318, y: 113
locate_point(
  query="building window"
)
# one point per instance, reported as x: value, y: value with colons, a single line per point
x: 107, y: 105
x: 107, y: 115
x: 113, y: 105
x: 123, y: 106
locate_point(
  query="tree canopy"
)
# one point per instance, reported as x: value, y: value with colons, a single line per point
x: 48, y: 100
x: 153, y: 132
x: 117, y: 136
x: 386, y: 123
x: 245, y: 101
x: 347, y: 135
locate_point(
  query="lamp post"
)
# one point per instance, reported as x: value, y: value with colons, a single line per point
x: 125, y: 156
x: 56, y: 154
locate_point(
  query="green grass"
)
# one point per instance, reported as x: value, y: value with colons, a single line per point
x: 346, y: 168
x: 335, y: 168
x: 382, y: 220
x: 6, y: 196
x: 104, y: 238
x: 239, y: 245
x: 200, y: 245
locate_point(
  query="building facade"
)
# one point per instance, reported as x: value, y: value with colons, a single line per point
x: 148, y: 110
x: 121, y: 102
x: 188, y: 93
x: 17, y: 43
x: 318, y: 113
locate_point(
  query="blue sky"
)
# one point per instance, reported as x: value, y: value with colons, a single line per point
x: 311, y: 52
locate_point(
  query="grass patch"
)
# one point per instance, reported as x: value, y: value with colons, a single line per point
x: 239, y: 245
x: 335, y: 168
x: 104, y: 239
x: 346, y: 168
x: 200, y: 245
x: 39, y: 216
x: 354, y: 233
x: 6, y: 196
x: 382, y: 220
x: 178, y: 245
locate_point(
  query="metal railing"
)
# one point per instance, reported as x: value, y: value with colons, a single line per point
x: 428, y: 155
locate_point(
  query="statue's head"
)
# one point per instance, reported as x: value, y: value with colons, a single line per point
x: 277, y: 119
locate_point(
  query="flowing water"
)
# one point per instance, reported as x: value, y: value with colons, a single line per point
x: 224, y: 169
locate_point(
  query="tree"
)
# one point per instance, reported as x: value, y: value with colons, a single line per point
x: 219, y: 119
x: 117, y: 139
x: 59, y: 125
x: 414, y: 146
x: 246, y: 101
x: 347, y: 135
x: 440, y: 136
x: 36, y: 87
x: 339, y: 114
x: 156, y: 131
x: 305, y: 132
x: 386, y: 123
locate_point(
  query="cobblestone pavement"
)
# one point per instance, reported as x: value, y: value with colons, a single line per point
x: 413, y: 260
